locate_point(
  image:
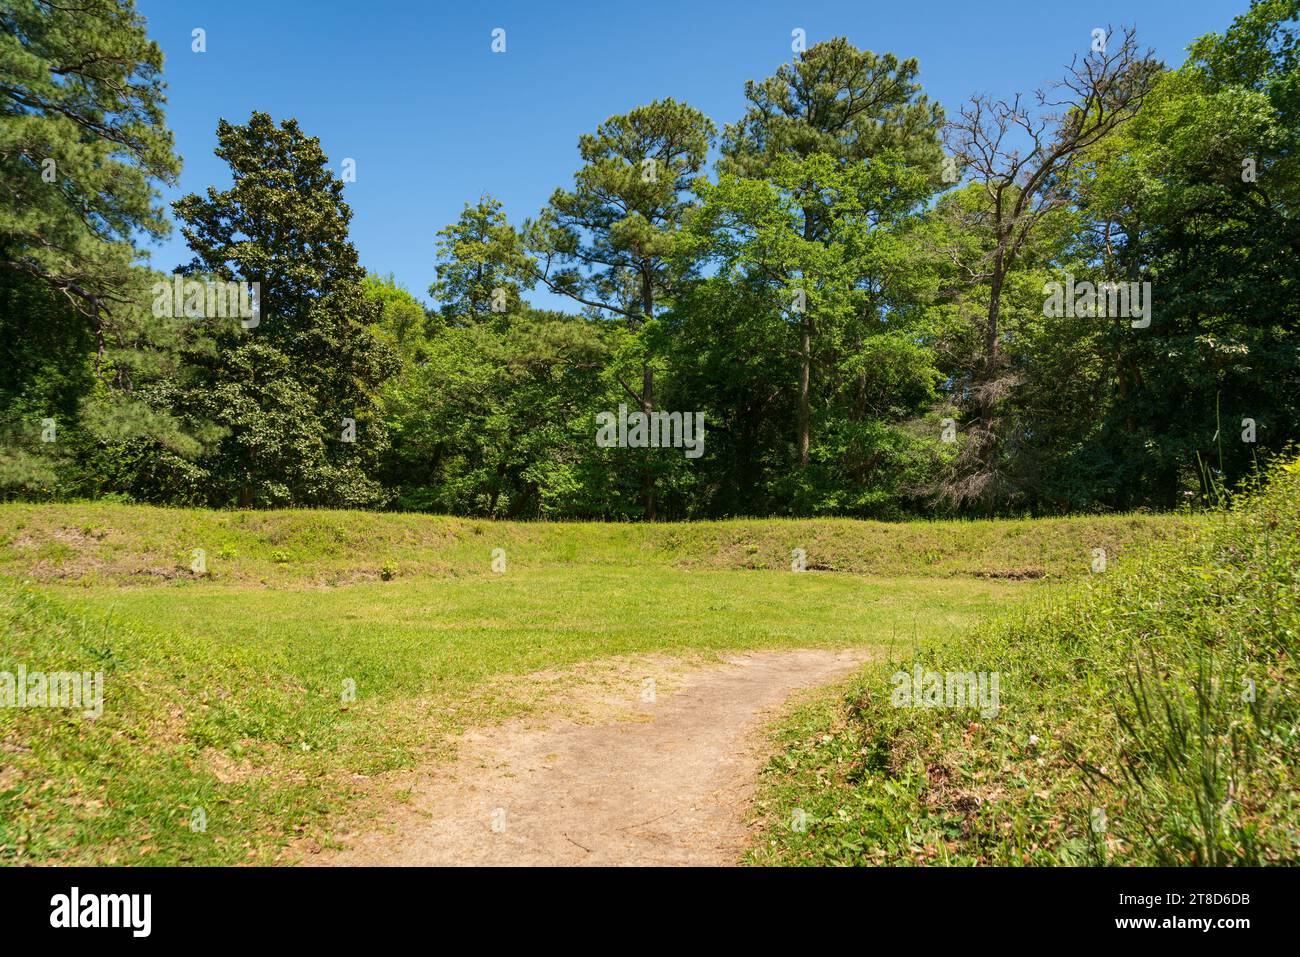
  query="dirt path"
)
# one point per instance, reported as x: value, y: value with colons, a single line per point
x: 666, y: 781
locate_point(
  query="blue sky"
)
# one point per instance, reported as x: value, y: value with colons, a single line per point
x: 412, y: 91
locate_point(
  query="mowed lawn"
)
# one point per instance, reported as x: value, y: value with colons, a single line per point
x: 275, y: 691
x: 410, y: 637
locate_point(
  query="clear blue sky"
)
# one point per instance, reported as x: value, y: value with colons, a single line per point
x: 411, y: 90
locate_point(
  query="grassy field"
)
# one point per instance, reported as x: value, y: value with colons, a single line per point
x: 1147, y: 716
x: 225, y: 687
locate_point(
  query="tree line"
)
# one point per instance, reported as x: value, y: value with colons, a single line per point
x: 1079, y: 298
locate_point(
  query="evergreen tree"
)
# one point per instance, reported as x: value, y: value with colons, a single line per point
x: 298, y: 386
x: 82, y: 141
x: 852, y: 106
x: 608, y: 243
x: 82, y: 147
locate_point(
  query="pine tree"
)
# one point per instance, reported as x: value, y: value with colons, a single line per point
x: 844, y: 103
x: 82, y: 146
x: 609, y: 243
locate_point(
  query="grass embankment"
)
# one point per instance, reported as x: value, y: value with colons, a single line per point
x: 1147, y: 715
x: 137, y: 544
x: 225, y: 690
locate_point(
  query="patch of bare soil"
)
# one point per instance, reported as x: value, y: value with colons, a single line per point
x: 1014, y: 574
x: 648, y: 772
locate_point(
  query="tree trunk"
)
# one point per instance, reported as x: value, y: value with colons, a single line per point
x: 995, y: 310
x: 496, y: 489
x: 805, y: 358
x: 805, y: 368
x: 647, y: 474
x: 991, y: 338
x: 647, y: 399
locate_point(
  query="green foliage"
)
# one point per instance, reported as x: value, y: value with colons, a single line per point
x: 839, y: 302
x: 610, y: 243
x: 1198, y: 196
x: 82, y: 140
x: 480, y: 262
x: 82, y: 145
x: 403, y: 321
x: 840, y: 101
x: 612, y: 235
x: 815, y: 297
x: 497, y: 420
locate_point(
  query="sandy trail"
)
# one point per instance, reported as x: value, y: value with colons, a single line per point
x: 661, y: 782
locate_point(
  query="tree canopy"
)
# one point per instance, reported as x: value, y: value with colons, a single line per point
x: 1080, y: 296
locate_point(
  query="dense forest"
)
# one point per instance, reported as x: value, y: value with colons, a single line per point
x: 1080, y: 298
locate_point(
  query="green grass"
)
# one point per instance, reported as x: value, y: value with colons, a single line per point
x: 1148, y: 716
x: 224, y: 691
x: 99, y: 544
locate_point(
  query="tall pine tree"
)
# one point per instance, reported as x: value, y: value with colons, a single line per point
x: 83, y: 145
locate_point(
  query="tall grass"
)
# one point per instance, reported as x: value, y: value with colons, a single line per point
x: 1207, y: 709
